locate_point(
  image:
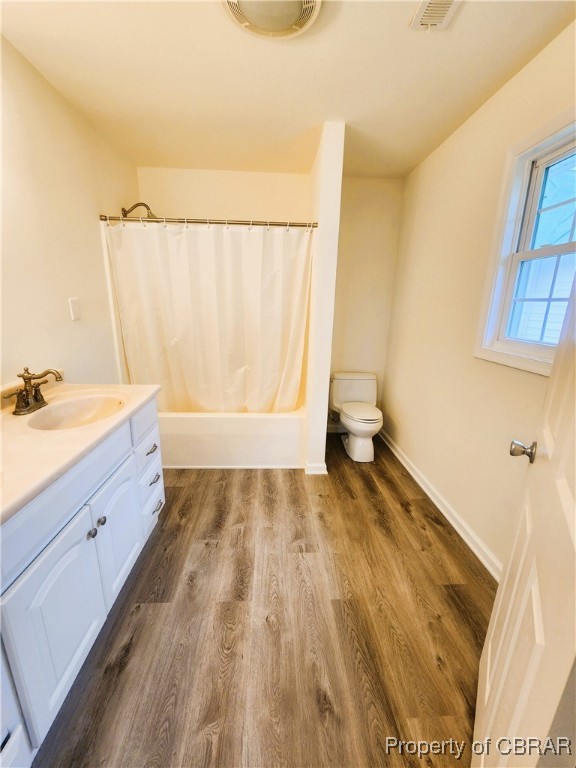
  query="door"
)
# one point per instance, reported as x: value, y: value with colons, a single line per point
x: 530, y: 645
x: 51, y: 616
x: 116, y: 515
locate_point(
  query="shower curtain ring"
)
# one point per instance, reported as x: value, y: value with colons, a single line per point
x: 164, y: 222
x: 288, y: 226
x: 186, y: 223
x: 107, y: 221
x: 227, y: 227
x: 268, y: 226
x: 142, y: 222
x: 122, y: 221
x: 250, y: 227
x: 208, y: 223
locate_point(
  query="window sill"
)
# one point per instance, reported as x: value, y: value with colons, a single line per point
x: 512, y: 360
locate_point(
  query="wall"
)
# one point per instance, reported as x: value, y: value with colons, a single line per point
x: 451, y: 415
x: 198, y: 194
x: 369, y: 228
x: 57, y: 177
x: 327, y: 175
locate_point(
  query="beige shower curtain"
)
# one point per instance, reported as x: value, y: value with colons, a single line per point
x: 215, y: 314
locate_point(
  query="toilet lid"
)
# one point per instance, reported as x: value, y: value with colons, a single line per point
x: 361, y: 411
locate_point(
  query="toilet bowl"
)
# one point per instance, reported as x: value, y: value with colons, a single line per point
x: 353, y: 401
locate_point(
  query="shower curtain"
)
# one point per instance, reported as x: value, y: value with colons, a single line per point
x: 215, y: 314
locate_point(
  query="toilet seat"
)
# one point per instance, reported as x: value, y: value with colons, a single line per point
x: 364, y: 412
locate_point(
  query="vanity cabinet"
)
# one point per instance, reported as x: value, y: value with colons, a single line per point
x: 71, y: 554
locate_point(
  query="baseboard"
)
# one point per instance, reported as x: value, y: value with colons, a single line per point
x: 482, y: 552
x: 316, y: 469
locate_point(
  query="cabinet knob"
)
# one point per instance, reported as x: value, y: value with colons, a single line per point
x: 101, y: 520
x: 152, y: 450
x: 92, y: 533
x: 155, y: 479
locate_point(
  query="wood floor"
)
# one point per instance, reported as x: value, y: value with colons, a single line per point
x: 279, y: 619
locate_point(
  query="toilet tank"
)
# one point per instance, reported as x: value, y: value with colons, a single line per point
x: 352, y: 386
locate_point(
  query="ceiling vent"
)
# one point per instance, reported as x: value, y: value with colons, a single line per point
x: 434, y: 14
x: 274, y: 18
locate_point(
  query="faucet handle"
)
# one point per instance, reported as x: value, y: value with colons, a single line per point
x: 22, y: 400
x: 8, y: 395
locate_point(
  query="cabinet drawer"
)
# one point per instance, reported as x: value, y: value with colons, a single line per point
x: 26, y: 534
x: 151, y: 511
x: 147, y: 451
x: 151, y: 481
x: 143, y: 421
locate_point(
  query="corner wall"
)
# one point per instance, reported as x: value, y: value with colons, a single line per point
x: 58, y: 175
x: 450, y: 415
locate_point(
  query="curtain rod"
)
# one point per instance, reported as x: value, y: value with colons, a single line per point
x: 162, y: 220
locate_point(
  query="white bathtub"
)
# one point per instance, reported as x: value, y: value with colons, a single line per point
x: 233, y: 439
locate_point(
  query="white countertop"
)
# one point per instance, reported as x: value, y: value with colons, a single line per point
x: 32, y: 459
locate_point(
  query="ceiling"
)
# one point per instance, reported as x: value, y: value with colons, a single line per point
x: 177, y: 84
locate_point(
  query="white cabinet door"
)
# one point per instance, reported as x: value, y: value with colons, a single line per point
x: 15, y: 750
x: 50, y: 618
x: 116, y: 515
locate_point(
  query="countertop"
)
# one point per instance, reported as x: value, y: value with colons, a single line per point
x: 32, y: 459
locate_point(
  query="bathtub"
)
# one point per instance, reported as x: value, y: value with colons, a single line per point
x: 237, y: 440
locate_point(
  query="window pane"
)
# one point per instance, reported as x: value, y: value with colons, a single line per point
x: 535, y: 278
x: 565, y: 276
x: 559, y: 182
x: 527, y: 320
x: 555, y: 226
x: 554, y: 322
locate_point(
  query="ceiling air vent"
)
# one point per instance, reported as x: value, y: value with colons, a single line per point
x: 434, y: 14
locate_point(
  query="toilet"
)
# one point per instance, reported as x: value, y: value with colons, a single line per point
x: 353, y: 402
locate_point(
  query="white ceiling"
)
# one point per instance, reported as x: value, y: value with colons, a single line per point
x: 177, y: 84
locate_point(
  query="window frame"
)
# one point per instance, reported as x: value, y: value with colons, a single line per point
x: 516, y: 226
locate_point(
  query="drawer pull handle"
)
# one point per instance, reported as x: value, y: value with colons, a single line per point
x: 155, y: 479
x: 158, y: 507
x: 152, y: 450
x: 92, y: 533
x: 102, y: 520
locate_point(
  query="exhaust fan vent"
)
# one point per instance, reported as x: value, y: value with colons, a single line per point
x: 273, y: 18
x: 434, y: 14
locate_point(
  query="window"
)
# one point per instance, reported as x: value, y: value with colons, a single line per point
x: 537, y: 259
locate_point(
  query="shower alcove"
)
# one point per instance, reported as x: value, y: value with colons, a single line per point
x: 285, y: 436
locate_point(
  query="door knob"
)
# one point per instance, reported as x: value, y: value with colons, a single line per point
x: 519, y: 449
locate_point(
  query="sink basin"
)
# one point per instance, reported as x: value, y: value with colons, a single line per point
x: 76, y: 411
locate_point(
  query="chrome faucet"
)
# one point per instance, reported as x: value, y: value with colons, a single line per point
x: 29, y: 397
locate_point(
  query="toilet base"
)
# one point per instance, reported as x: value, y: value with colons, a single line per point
x: 358, y: 448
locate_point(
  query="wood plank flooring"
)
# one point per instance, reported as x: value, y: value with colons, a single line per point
x: 278, y: 619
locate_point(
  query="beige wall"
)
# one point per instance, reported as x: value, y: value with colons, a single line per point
x: 453, y: 415
x: 200, y: 194
x: 369, y: 227
x: 327, y: 175
x: 57, y: 177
